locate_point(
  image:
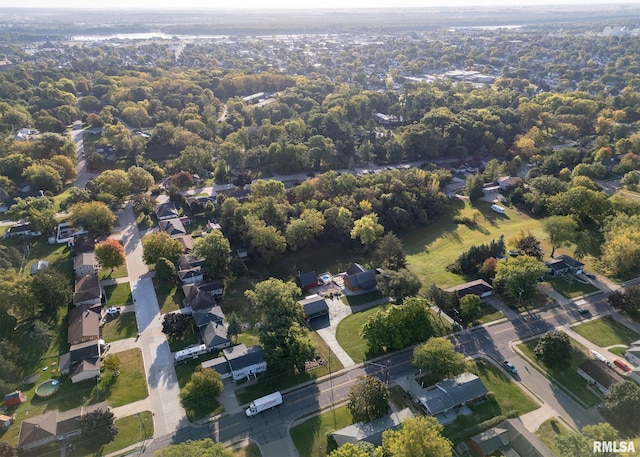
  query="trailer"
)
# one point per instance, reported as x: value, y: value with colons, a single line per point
x: 191, y: 352
x: 497, y: 208
x: 260, y: 404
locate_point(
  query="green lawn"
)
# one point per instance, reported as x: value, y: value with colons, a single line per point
x: 118, y: 294
x: 348, y: 332
x: 59, y: 256
x: 131, y: 430
x: 507, y: 394
x: 606, y: 332
x: 548, y: 431
x: 539, y: 301
x: 618, y: 350
x: 430, y: 249
x: 169, y: 295
x: 235, y: 300
x: 186, y: 368
x: 252, y: 450
x: 119, y: 328
x: 130, y: 385
x: 189, y: 337
x: 487, y: 314
x: 280, y: 380
x: 355, y: 300
x: 310, y: 437
x: 567, y: 378
x: 120, y: 272
x: 571, y: 289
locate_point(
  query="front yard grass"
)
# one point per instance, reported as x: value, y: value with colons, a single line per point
x: 189, y: 337
x: 169, y: 295
x: 119, y: 328
x: 186, y: 368
x: 273, y: 381
x: 131, y: 430
x: 487, y: 314
x: 549, y: 430
x: 120, y: 272
x: 618, y: 350
x: 539, y: 301
x: 130, y: 385
x: 363, y: 299
x: 252, y: 450
x: 310, y: 437
x: 571, y: 289
x: 606, y: 332
x: 58, y: 255
x: 568, y: 377
x: 118, y: 294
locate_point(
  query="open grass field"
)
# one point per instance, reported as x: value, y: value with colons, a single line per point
x: 120, y: 327
x: 348, y: 333
x: 118, y: 294
x: 131, y: 430
x: 507, y: 399
x: 130, y: 385
x: 278, y: 380
x: 236, y: 302
x: 606, y: 332
x: 618, y: 350
x: 568, y: 377
x: 571, y: 289
x: 169, y: 295
x: 310, y: 437
x: 59, y: 256
x: 430, y: 249
x: 548, y: 431
x: 487, y: 314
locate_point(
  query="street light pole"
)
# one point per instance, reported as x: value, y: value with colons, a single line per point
x: 335, y: 421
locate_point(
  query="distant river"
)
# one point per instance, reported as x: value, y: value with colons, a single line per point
x: 141, y: 36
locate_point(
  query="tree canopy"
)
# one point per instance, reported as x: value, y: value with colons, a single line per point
x: 110, y: 254
x: 200, y: 448
x: 368, y: 400
x: 215, y: 249
x: 159, y: 245
x: 418, y: 437
x: 94, y: 217
x: 555, y: 349
x: 438, y: 357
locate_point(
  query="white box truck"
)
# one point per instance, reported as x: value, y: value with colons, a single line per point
x: 260, y: 404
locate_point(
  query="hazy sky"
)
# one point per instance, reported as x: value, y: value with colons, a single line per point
x: 282, y: 4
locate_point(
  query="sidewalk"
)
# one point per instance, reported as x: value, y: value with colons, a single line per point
x: 114, y: 281
x: 132, y: 408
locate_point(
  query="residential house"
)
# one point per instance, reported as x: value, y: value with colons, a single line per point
x: 308, y: 280
x: 243, y: 362
x: 564, y: 264
x: 197, y: 204
x: 202, y: 316
x: 510, y: 438
x: 191, y: 276
x: 38, y: 266
x: 598, y: 375
x: 187, y: 243
x: 219, y: 364
x: 635, y: 374
x: 215, y: 336
x: 189, y: 261
x: 81, y: 362
x: 54, y: 426
x: 24, y: 230
x: 371, y: 432
x: 83, y: 324
x: 174, y: 227
x: 88, y: 291
x: 633, y: 355
x: 479, y: 287
x: 14, y: 398
x: 507, y: 182
x: 451, y: 393
x: 314, y: 306
x: 85, y: 263
x: 165, y: 211
x: 358, y: 277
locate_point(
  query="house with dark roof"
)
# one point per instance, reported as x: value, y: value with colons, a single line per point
x: 633, y: 355
x: 598, y: 375
x: 215, y: 336
x: 54, y: 426
x: 85, y: 263
x: 173, y: 227
x: 83, y: 243
x: 220, y: 364
x: 510, y: 438
x: 189, y: 261
x: 21, y: 230
x: 358, y: 277
x: 314, y: 306
x: 87, y: 291
x: 243, y: 362
x: 166, y: 210
x: 479, y: 287
x: 81, y: 362
x: 308, y: 280
x: 83, y: 324
x: 191, y: 276
x: 564, y: 264
x: 371, y: 432
x: 451, y: 393
x: 202, y: 316
x: 197, y: 299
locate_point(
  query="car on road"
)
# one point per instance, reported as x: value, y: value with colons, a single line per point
x: 113, y: 311
x: 509, y: 366
x: 590, y: 275
x: 584, y: 312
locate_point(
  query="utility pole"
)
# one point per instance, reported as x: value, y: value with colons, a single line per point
x: 335, y: 421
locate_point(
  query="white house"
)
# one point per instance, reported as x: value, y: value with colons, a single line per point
x: 633, y: 355
x: 85, y: 263
x: 242, y: 362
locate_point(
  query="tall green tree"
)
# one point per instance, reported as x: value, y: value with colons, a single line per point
x: 94, y: 217
x: 519, y: 276
x: 418, y: 437
x: 110, y: 254
x: 399, y: 284
x: 367, y: 229
x: 390, y: 252
x: 37, y: 211
x: 473, y: 187
x: 201, y: 393
x: 98, y: 427
x: 52, y: 289
x: 140, y: 179
x: 215, y: 249
x: 561, y: 230
x: 267, y: 241
x: 621, y: 405
x: 555, y: 349
x: 368, y: 400
x: 438, y: 357
x: 200, y: 448
x: 158, y: 245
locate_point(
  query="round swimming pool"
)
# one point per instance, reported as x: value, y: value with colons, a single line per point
x: 47, y: 388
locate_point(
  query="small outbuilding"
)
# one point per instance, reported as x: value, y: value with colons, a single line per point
x: 14, y: 398
x: 314, y: 306
x: 479, y: 287
x: 308, y: 280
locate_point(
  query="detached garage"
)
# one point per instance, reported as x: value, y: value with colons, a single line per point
x: 314, y: 306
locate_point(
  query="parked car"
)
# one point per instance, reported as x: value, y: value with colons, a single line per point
x: 590, y: 275
x: 113, y: 311
x: 584, y: 312
x: 509, y: 366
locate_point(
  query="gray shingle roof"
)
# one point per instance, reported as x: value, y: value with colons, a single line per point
x: 446, y: 394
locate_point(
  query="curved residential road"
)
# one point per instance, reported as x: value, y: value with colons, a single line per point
x: 162, y: 381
